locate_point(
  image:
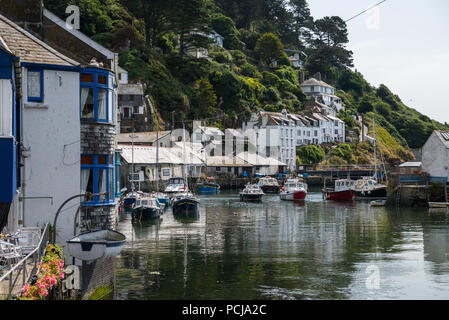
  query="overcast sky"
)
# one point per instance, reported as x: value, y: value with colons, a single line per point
x: 401, y: 43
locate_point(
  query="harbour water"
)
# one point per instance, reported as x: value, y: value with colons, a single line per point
x: 283, y: 250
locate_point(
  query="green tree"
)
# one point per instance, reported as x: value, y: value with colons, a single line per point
x: 310, y: 154
x: 269, y: 48
x: 206, y: 98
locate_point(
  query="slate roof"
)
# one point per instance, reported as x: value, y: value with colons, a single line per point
x: 29, y: 48
x: 443, y: 136
x: 315, y: 82
x: 141, y: 137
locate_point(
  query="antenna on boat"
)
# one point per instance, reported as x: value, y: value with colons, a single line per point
x: 375, y: 155
x: 184, y: 155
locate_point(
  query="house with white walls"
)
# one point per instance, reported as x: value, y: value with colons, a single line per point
x: 323, y: 93
x: 47, y: 96
x: 435, y: 156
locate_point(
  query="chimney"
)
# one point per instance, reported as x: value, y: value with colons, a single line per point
x: 26, y: 13
x: 317, y: 76
x: 301, y: 77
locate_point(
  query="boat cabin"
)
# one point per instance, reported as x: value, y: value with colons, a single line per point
x: 344, y: 184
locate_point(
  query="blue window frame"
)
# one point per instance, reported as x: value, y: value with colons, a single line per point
x: 97, y: 176
x: 118, y: 174
x: 96, y: 95
x: 35, y: 84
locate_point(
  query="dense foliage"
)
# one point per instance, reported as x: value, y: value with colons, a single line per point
x: 251, y: 71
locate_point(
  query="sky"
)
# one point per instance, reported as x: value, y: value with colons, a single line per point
x: 403, y: 44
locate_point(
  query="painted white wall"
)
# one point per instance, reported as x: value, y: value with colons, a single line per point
x: 435, y: 157
x: 52, y: 169
x: 5, y: 108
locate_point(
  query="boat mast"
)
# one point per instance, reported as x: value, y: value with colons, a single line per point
x: 132, y: 136
x: 157, y: 155
x: 375, y: 155
x: 186, y: 179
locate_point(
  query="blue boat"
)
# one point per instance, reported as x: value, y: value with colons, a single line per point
x: 209, y: 186
x: 130, y: 199
x: 185, y: 203
x: 146, y: 208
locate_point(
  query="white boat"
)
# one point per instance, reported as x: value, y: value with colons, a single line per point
x: 269, y: 185
x: 96, y: 244
x: 251, y: 192
x: 176, y: 185
x: 438, y: 204
x: 378, y: 203
x: 293, y: 190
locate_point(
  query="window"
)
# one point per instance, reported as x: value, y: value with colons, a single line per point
x: 299, y: 132
x: 96, y: 96
x: 97, y: 177
x: 35, y: 82
x: 336, y: 131
x: 166, y: 172
x: 315, y: 133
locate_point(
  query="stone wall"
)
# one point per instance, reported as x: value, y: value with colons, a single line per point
x: 97, y: 138
x: 99, y: 218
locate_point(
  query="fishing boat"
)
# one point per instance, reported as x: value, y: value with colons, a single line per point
x: 343, y: 191
x: 146, y: 207
x: 293, y: 190
x: 96, y: 244
x: 185, y: 203
x: 370, y: 189
x: 164, y: 199
x: 251, y: 192
x: 130, y: 199
x: 268, y: 185
x: 378, y: 203
x: 175, y: 185
x: 209, y: 186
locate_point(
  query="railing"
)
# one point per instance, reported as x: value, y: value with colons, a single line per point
x: 20, y: 269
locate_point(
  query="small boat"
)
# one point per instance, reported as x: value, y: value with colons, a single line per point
x: 209, y: 186
x: 146, y: 207
x: 163, y: 199
x: 343, y: 191
x: 185, y: 202
x: 176, y: 185
x: 269, y: 185
x: 293, y: 190
x: 130, y: 199
x: 251, y: 192
x: 378, y: 203
x: 438, y: 204
x: 96, y: 244
x: 368, y: 188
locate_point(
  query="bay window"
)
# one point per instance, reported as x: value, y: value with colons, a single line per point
x: 96, y: 96
x: 97, y: 173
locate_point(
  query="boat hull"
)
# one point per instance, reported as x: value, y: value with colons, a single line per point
x: 377, y: 194
x: 270, y: 189
x: 185, y: 206
x: 128, y: 202
x: 97, y: 244
x: 209, y: 189
x: 346, y: 195
x: 293, y: 196
x: 251, y: 197
x: 146, y: 213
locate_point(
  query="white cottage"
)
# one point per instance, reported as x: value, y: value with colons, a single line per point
x: 435, y: 156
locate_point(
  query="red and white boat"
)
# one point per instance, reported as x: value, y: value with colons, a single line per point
x: 294, y: 190
x: 343, y: 191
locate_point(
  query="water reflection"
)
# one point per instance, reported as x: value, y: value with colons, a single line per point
x: 282, y: 250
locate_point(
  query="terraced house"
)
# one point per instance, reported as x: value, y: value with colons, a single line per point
x: 59, y: 93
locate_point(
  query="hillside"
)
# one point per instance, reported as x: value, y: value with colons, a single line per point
x: 154, y: 37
